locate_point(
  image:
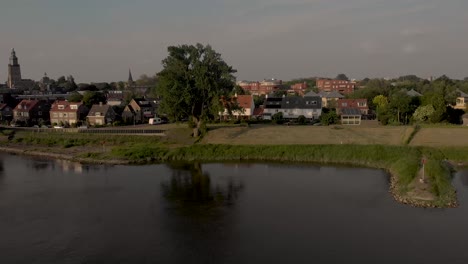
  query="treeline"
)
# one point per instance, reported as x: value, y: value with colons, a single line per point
x: 392, y: 105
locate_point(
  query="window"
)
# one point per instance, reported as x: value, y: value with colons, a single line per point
x: 314, y: 102
x: 61, y: 107
x: 361, y: 104
x: 344, y: 104
x: 97, y: 114
x: 74, y: 107
x: 55, y: 115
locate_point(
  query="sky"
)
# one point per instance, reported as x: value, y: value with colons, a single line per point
x: 99, y: 40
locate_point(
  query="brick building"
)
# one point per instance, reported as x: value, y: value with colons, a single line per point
x: 263, y: 87
x: 341, y: 86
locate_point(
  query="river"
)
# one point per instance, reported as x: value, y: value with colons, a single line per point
x: 62, y: 212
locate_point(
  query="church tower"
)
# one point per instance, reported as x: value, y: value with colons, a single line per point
x: 130, y: 81
x: 14, y: 71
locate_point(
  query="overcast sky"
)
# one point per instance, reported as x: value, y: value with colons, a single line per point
x: 98, y: 40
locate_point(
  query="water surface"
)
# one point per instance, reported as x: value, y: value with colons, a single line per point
x: 62, y: 212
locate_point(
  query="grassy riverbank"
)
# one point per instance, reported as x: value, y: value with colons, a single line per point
x: 401, y: 161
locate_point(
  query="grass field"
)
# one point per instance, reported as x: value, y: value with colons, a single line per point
x: 316, y: 135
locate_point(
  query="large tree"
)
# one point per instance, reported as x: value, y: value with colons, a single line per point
x: 192, y: 83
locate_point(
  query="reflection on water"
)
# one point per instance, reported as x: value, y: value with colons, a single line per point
x: 463, y: 175
x: 217, y: 213
x: 191, y: 190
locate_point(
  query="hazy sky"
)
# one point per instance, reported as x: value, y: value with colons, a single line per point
x: 98, y: 40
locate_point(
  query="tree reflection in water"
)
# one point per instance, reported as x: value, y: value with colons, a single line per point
x: 192, y: 191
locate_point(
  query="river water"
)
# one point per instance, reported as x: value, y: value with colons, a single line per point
x: 62, y: 212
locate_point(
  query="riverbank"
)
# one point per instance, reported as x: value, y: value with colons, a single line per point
x: 402, y: 162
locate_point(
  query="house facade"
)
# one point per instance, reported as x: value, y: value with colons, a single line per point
x: 461, y: 101
x: 293, y: 106
x: 247, y: 105
x: 67, y: 113
x: 139, y: 110
x: 360, y: 104
x: 101, y: 115
x: 31, y: 112
x: 6, y: 112
x: 329, y: 99
x: 340, y: 86
x: 264, y: 87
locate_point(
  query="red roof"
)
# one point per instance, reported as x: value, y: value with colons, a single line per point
x: 352, y: 103
x: 258, y: 111
x: 64, y: 106
x: 245, y: 101
x: 26, y: 105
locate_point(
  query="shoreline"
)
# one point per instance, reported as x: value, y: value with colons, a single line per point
x: 394, y: 186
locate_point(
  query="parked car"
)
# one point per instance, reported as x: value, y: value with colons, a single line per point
x: 58, y: 126
x: 155, y: 121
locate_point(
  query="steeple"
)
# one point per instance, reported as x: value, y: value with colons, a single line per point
x: 13, y: 58
x: 130, y: 78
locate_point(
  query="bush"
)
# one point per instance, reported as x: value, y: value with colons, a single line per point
x: 329, y: 118
x: 277, y: 118
x: 301, y: 120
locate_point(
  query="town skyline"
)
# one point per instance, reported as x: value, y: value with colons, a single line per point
x: 98, y: 42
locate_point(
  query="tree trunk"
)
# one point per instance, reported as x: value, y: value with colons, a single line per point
x: 196, y: 130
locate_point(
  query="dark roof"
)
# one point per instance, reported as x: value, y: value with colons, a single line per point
x: 413, y: 93
x: 351, y: 111
x: 297, y: 102
x: 273, y: 102
x: 462, y: 94
x: 103, y: 109
x: 311, y: 93
x: 332, y: 94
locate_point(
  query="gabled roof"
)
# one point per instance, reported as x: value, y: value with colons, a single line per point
x: 311, y: 93
x: 2, y: 106
x: 245, y: 101
x: 332, y: 94
x: 65, y: 106
x: 99, y: 109
x: 26, y: 105
x: 413, y: 93
x: 462, y: 94
x: 142, y: 102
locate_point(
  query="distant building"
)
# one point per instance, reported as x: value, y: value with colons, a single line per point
x: 266, y: 86
x: 246, y: 103
x: 309, y: 106
x: 101, y: 115
x: 139, y: 90
x: 359, y: 104
x: 31, y: 112
x: 298, y: 88
x: 341, y: 86
x: 14, y: 74
x: 67, y: 113
x: 329, y: 99
x: 462, y: 100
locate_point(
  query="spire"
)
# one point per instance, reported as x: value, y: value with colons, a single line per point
x: 13, y: 58
x: 130, y: 78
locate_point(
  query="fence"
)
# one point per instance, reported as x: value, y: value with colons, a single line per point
x: 156, y: 132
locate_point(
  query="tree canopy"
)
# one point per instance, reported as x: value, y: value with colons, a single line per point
x: 342, y: 76
x: 192, y: 82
